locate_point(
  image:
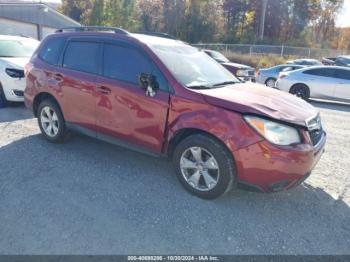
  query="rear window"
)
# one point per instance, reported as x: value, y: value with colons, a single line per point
x: 51, y: 51
x: 326, y: 72
x: 82, y: 56
x: 342, y: 74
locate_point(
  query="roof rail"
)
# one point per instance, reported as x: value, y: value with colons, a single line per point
x: 158, y: 34
x: 116, y: 30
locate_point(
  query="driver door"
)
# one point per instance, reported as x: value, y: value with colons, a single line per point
x: 125, y: 115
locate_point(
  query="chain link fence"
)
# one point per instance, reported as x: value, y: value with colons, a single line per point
x: 283, y: 51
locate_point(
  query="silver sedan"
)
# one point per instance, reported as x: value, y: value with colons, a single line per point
x: 324, y: 82
x: 268, y: 76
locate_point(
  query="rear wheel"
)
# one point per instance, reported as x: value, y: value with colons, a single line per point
x: 301, y: 91
x: 204, y: 166
x: 51, y: 121
x: 271, y: 82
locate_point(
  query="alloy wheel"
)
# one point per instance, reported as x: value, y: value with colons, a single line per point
x: 49, y: 121
x: 271, y: 83
x: 299, y: 92
x: 199, y: 168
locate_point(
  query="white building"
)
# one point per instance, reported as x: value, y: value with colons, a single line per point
x: 34, y: 20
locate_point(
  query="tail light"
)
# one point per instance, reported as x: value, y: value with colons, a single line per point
x: 257, y: 72
x: 281, y: 76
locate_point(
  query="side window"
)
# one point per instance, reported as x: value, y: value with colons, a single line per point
x: 51, y: 51
x: 342, y: 74
x: 286, y: 69
x: 325, y: 72
x: 82, y: 56
x: 126, y: 64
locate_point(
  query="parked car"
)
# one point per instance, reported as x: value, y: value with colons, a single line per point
x: 325, y: 82
x: 305, y: 62
x: 328, y: 60
x: 243, y: 72
x: 338, y: 61
x: 15, y: 52
x: 269, y: 76
x: 166, y: 98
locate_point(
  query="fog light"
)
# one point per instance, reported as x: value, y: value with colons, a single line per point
x: 18, y: 92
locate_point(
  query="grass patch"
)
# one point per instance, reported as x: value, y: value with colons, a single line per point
x: 256, y: 61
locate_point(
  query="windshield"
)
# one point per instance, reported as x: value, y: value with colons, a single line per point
x: 193, y: 68
x: 17, y: 48
x: 344, y: 60
x: 218, y: 56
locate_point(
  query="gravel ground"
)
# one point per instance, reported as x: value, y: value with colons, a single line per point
x: 89, y: 197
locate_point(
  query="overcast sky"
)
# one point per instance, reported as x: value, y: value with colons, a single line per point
x: 344, y: 16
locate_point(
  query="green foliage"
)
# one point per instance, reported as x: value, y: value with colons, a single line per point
x: 299, y: 22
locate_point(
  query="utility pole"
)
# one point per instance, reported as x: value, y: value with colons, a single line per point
x: 262, y: 19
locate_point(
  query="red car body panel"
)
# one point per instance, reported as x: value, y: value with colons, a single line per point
x: 121, y: 110
x: 257, y: 99
x: 128, y: 102
x: 262, y: 164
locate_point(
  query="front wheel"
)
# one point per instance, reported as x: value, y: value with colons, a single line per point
x: 204, y: 166
x: 51, y: 121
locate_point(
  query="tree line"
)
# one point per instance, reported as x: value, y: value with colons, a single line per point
x: 293, y: 22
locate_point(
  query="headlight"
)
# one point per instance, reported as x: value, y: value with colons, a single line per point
x: 242, y: 72
x: 15, y: 73
x: 274, y: 132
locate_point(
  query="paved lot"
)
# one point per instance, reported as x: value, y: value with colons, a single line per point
x: 88, y: 197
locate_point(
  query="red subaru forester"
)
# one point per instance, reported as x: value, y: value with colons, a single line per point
x: 160, y: 96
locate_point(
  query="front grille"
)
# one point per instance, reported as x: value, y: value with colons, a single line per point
x: 316, y: 136
x: 315, y: 129
x: 251, y: 73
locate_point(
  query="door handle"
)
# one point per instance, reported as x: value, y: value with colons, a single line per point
x: 104, y: 90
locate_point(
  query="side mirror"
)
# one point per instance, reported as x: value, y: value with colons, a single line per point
x: 149, y: 83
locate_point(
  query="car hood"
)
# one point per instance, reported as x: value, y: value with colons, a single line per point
x: 235, y: 65
x: 18, y: 62
x: 250, y: 98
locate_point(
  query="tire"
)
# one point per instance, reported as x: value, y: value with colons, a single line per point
x: 301, y: 91
x: 193, y: 174
x: 59, y: 132
x: 270, y: 82
x: 3, y: 99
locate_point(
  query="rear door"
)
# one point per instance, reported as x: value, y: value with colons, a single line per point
x: 123, y: 110
x: 342, y: 88
x: 78, y: 76
x: 320, y: 81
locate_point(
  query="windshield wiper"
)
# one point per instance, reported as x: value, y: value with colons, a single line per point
x: 226, y: 83
x: 199, y: 87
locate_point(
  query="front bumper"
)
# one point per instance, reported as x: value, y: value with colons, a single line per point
x: 269, y: 168
x: 13, y: 88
